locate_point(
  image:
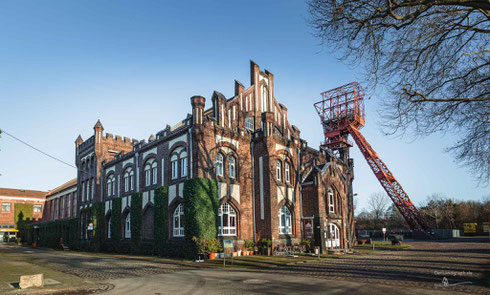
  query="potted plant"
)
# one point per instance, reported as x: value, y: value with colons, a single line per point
x: 200, y: 246
x: 249, y: 244
x: 213, y: 246
x: 265, y: 245
x: 306, y: 243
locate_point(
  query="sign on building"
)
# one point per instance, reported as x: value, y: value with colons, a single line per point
x: 470, y: 228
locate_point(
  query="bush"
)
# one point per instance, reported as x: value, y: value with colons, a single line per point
x: 213, y: 245
x: 160, y: 219
x: 199, y: 244
x: 265, y: 243
x: 136, y: 202
x: 250, y: 245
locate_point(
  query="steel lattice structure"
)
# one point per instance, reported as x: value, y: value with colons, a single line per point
x: 341, y: 111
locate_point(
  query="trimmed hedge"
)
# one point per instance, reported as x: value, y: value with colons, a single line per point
x: 22, y: 218
x: 160, y: 220
x: 135, y: 210
x: 201, y: 212
x: 48, y: 234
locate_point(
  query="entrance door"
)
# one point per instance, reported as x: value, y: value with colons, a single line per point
x: 333, y: 240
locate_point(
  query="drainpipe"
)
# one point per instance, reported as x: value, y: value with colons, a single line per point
x: 190, y: 153
x: 253, y: 185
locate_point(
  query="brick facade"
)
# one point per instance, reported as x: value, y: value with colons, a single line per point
x: 267, y: 175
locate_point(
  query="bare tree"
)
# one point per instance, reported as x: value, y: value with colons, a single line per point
x: 378, y: 204
x: 433, y: 58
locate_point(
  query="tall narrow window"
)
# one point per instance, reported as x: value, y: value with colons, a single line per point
x: 286, y: 172
x: 110, y: 185
x: 183, y: 167
x: 109, y: 228
x: 175, y: 166
x: 131, y: 179
x: 278, y: 170
x: 179, y: 221
x: 83, y: 191
x: 88, y: 190
x: 227, y: 217
x: 128, y: 179
x: 154, y: 172
x: 219, y: 164
x: 127, y: 226
x: 147, y: 174
x: 231, y: 167
x: 284, y: 221
x: 92, y: 194
x: 331, y: 204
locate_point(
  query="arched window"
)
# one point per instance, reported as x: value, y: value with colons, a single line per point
x: 128, y: 179
x: 183, y: 164
x: 287, y: 176
x: 175, y: 166
x: 150, y: 172
x: 278, y: 170
x: 147, y: 174
x: 127, y: 226
x: 284, y: 221
x: 111, y: 185
x: 154, y: 172
x: 231, y: 167
x: 331, y: 203
x: 179, y: 221
x: 219, y: 164
x: 227, y: 217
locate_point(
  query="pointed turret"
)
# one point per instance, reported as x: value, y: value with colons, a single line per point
x: 98, y: 125
x: 79, y: 140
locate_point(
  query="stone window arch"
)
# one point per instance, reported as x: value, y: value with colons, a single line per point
x: 150, y: 172
x: 111, y: 180
x: 128, y: 179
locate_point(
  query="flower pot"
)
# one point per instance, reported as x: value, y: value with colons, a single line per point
x: 245, y: 253
x: 251, y: 252
x: 235, y: 254
x: 239, y: 253
x: 212, y: 255
x: 221, y: 255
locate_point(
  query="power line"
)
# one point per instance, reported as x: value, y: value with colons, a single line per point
x: 34, y: 148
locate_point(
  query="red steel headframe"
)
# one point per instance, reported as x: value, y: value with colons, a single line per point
x: 341, y: 111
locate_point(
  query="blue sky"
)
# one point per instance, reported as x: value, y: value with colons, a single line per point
x: 135, y: 64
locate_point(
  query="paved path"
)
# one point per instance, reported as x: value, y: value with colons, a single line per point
x: 417, y: 270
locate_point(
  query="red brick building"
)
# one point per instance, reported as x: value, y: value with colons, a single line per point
x: 15, y: 201
x: 270, y: 183
x: 61, y: 202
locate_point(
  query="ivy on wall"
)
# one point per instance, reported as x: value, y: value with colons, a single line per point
x: 99, y: 225
x: 116, y: 220
x: 160, y: 220
x: 200, y: 210
x: 136, y: 203
x: 22, y: 217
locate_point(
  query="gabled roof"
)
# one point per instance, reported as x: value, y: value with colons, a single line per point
x: 21, y: 193
x: 64, y: 186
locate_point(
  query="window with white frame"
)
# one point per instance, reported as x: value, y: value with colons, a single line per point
x: 284, y: 221
x: 227, y: 217
x: 219, y: 164
x: 37, y: 208
x: 331, y: 203
x: 278, y: 170
x: 147, y: 174
x: 154, y: 172
x: 231, y: 166
x: 6, y: 207
x: 110, y: 185
x: 128, y: 179
x: 183, y: 167
x: 179, y: 221
x: 127, y: 226
x: 109, y: 225
x: 175, y: 166
x: 287, y: 176
x: 249, y: 123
